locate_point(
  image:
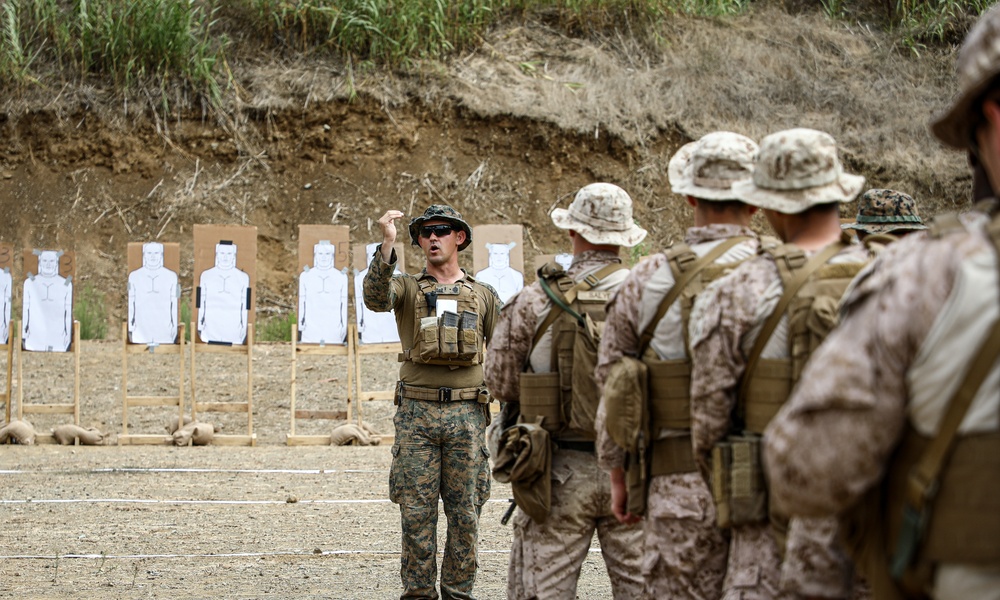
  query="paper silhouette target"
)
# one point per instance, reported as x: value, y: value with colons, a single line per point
x: 322, y: 315
x: 373, y: 327
x: 498, y: 258
x: 6, y: 289
x: 47, y: 300
x: 153, y: 292
x: 225, y: 258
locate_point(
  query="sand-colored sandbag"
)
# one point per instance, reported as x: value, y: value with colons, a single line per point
x: 69, y: 434
x: 352, y: 434
x: 17, y: 432
x: 172, y: 426
x: 375, y: 436
x: 195, y: 434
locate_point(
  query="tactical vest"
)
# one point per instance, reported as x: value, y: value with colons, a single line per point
x: 566, y: 397
x: 445, y: 337
x: 811, y: 291
x: 939, y: 502
x: 812, y: 310
x: 669, y: 402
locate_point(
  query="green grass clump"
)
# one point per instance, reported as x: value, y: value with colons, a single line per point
x: 276, y: 329
x: 90, y: 311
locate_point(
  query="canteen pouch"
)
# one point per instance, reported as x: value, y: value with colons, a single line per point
x: 448, y: 335
x: 738, y: 484
x: 468, y: 336
x: 427, y: 341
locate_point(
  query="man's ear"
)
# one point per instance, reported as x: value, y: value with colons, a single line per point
x: 460, y: 236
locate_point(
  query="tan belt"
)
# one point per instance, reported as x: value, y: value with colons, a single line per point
x: 672, y: 456
x: 443, y: 394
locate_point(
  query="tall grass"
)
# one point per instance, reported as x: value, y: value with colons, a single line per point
x: 129, y: 42
x: 165, y: 43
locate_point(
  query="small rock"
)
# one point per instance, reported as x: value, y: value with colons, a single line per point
x: 291, y: 499
x: 307, y: 186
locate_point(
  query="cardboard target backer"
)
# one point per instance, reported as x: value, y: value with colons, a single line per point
x: 373, y: 327
x: 323, y: 283
x: 153, y: 292
x: 498, y: 257
x: 362, y: 255
x: 225, y: 278
x: 47, y: 300
x: 338, y: 236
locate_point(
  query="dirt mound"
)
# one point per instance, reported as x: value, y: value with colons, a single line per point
x: 504, y: 134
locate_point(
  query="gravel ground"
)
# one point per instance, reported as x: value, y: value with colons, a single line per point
x: 228, y: 522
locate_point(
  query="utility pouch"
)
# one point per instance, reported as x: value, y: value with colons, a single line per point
x: 468, y: 336
x: 637, y: 482
x: 541, y: 397
x: 448, y: 335
x: 427, y: 340
x: 738, y: 485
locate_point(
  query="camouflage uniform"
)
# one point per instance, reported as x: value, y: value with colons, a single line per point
x: 912, y: 325
x: 684, y: 551
x: 546, y: 558
x: 725, y: 322
x: 794, y: 170
x: 886, y: 211
x: 439, y: 449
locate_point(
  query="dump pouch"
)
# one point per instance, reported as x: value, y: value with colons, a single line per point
x: 738, y: 484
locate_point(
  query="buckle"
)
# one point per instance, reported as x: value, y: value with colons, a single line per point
x: 592, y: 280
x: 444, y: 394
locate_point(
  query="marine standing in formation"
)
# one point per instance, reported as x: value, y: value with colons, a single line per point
x: 537, y: 332
x: 445, y: 320
x: 751, y: 331
x: 684, y: 552
x: 896, y: 423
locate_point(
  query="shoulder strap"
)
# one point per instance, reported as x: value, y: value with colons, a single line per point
x: 681, y: 283
x: 563, y: 301
x: 791, y: 288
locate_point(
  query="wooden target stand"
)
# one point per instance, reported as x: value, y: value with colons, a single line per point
x: 46, y: 408
x: 66, y: 269
x: 125, y: 438
x: 348, y: 350
x: 171, y: 261
x: 393, y: 348
x: 208, y: 239
x: 315, y: 243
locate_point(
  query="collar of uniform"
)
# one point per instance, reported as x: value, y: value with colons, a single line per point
x: 423, y: 274
x: 715, y: 231
x: 591, y: 258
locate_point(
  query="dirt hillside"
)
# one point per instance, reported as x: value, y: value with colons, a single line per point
x: 505, y: 134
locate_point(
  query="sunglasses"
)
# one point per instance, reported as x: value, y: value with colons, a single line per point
x: 437, y: 230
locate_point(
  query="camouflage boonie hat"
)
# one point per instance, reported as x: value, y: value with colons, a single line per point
x: 707, y: 168
x: 978, y: 64
x: 885, y: 211
x: 795, y: 170
x: 440, y: 212
x: 602, y: 214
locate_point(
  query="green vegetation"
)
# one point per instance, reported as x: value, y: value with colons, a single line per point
x: 186, y: 318
x: 276, y: 329
x: 172, y: 46
x: 90, y: 311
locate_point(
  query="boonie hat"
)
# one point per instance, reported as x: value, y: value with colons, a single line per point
x: 796, y: 169
x: 602, y: 214
x: 707, y: 168
x: 883, y: 211
x: 978, y: 63
x: 440, y: 212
